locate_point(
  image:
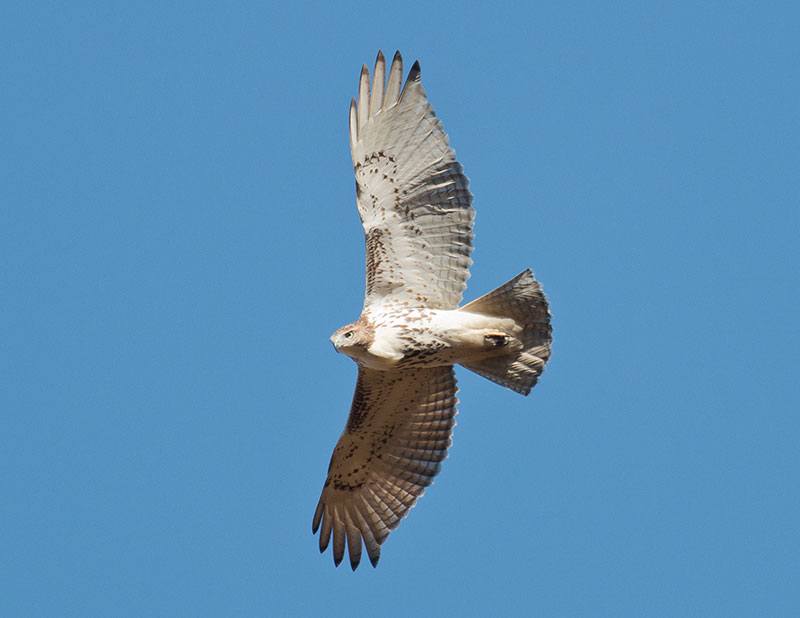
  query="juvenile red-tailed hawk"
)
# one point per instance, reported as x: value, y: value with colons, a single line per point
x: 416, y: 210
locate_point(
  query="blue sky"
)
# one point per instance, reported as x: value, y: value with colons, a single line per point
x: 178, y: 239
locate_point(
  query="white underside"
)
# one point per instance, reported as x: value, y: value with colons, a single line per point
x: 462, y: 333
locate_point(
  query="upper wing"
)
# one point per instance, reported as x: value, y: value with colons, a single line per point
x: 412, y: 194
x: 396, y: 437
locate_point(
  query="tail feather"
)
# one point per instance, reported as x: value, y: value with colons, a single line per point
x: 522, y: 300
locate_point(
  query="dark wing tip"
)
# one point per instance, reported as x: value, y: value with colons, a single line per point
x: 412, y: 80
x: 397, y: 57
x: 323, y: 543
x: 380, y: 57
x: 317, y: 519
x: 414, y: 73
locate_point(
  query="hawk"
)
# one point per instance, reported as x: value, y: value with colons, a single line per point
x: 416, y: 211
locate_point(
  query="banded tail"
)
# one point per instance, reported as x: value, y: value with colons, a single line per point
x: 522, y: 300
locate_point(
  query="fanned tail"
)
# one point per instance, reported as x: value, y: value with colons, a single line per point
x: 522, y: 300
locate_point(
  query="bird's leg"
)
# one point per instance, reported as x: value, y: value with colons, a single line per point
x: 495, y: 339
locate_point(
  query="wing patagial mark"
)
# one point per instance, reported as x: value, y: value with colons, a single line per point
x: 376, y: 252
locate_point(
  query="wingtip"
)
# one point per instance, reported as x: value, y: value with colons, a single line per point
x: 317, y: 518
x: 397, y: 57
x: 380, y: 57
x: 413, y: 80
x: 414, y: 73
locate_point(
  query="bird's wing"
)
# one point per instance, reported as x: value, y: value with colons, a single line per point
x: 412, y: 194
x: 396, y: 437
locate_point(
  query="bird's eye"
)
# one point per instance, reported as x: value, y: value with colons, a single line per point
x: 348, y: 334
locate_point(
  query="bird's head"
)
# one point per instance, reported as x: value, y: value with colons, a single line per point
x: 353, y: 339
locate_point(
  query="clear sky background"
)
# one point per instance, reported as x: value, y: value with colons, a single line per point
x: 179, y: 238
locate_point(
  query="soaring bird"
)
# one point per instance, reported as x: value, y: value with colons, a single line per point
x: 416, y: 211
